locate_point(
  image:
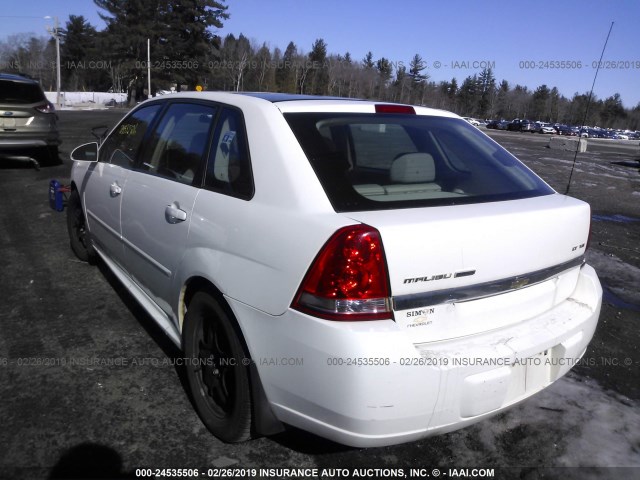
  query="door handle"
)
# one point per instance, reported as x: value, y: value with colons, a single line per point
x: 115, y: 189
x: 174, y: 214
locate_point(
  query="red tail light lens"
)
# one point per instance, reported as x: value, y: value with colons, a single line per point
x: 391, y: 108
x: 46, y: 108
x: 348, y: 279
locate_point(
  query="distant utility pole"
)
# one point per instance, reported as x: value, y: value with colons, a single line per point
x: 55, y: 33
x: 148, y: 68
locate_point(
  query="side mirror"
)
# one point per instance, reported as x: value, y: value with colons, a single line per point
x: 100, y: 133
x: 85, y: 153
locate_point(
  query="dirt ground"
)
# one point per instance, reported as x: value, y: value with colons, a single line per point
x: 66, y: 414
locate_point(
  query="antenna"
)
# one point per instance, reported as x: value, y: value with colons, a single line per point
x: 586, y: 112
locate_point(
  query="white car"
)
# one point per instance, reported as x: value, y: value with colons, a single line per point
x: 472, y: 121
x: 373, y: 273
x: 545, y: 128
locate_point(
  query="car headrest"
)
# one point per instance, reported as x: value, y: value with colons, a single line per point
x: 413, y: 168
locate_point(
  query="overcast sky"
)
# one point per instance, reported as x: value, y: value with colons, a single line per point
x: 521, y: 40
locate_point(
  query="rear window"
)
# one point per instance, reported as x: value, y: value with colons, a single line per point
x: 387, y: 161
x: 19, y: 92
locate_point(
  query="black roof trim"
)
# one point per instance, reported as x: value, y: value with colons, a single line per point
x: 289, y: 97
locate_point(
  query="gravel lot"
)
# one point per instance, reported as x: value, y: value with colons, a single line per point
x: 67, y: 413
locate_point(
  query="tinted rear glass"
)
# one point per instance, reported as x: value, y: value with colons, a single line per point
x: 20, y: 92
x: 385, y: 161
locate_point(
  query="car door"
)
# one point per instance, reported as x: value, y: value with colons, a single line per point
x: 160, y: 194
x: 104, y: 184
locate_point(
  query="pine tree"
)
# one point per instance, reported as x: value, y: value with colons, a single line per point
x: 539, y: 102
x: 286, y: 71
x: 188, y: 40
x: 468, y: 95
x: 416, y: 66
x: 178, y: 32
x: 319, y: 67
x: 367, y: 61
x: 503, y: 107
x: 487, y: 93
x: 79, y: 56
x: 612, y: 111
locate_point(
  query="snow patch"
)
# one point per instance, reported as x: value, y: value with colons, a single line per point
x: 86, y: 99
x: 621, y: 278
x: 572, y: 423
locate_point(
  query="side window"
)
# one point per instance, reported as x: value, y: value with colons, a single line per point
x: 180, y: 142
x: 121, y: 147
x: 229, y: 166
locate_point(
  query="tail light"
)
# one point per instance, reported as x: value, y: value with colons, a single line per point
x: 348, y: 279
x: 394, y: 108
x: 46, y: 107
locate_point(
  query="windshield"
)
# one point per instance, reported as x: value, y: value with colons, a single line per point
x: 386, y: 161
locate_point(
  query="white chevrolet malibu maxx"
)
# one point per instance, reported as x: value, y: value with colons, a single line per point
x: 373, y: 273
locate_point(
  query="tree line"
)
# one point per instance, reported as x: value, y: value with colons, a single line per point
x: 186, y: 52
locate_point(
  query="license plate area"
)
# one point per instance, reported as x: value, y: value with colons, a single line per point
x: 498, y: 387
x: 530, y: 374
x: 7, y: 122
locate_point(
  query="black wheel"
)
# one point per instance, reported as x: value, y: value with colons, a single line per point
x: 216, y: 370
x: 77, y: 228
x: 49, y: 156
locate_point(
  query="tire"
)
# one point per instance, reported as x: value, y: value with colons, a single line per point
x: 216, y: 372
x: 49, y: 156
x: 77, y: 229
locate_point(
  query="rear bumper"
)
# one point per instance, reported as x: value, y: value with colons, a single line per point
x: 32, y: 139
x: 366, y: 384
x: 20, y: 143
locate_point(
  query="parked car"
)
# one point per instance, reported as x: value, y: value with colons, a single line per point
x: 515, y: 125
x: 472, y: 121
x: 28, y: 122
x: 521, y: 125
x: 545, y: 128
x: 607, y: 134
x: 566, y: 130
x: 497, y: 124
x: 591, y: 133
x: 351, y: 268
x: 527, y: 126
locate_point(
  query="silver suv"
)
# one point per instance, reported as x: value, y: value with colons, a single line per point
x: 28, y: 122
